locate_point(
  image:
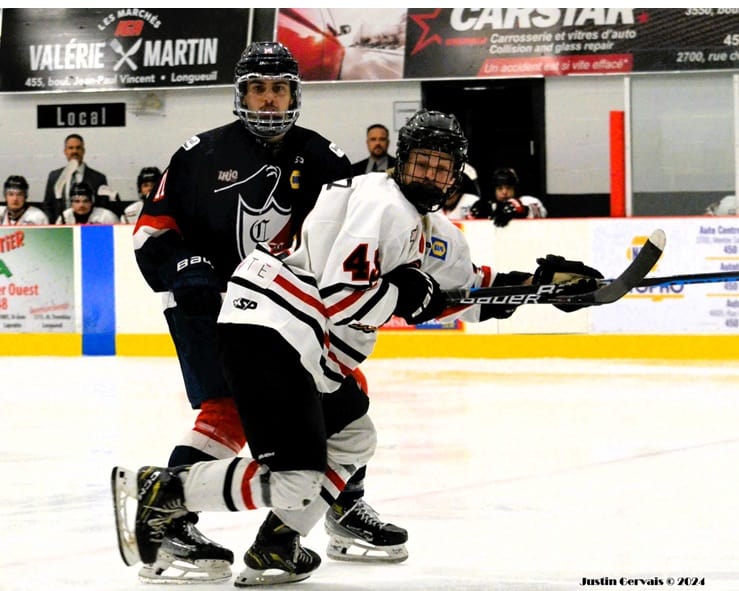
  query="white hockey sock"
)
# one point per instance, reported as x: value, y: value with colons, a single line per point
x: 225, y: 485
x: 241, y: 484
x: 303, y: 520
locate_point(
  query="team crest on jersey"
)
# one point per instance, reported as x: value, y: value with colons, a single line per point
x: 438, y: 248
x: 262, y: 214
x: 295, y: 179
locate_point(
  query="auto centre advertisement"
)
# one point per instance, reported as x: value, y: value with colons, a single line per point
x: 693, y: 246
x: 72, y: 49
x: 37, y: 280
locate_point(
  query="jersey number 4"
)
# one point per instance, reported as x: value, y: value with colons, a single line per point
x: 358, y: 264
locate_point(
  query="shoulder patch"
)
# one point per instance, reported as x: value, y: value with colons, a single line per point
x: 191, y: 143
x: 438, y: 248
x: 336, y: 150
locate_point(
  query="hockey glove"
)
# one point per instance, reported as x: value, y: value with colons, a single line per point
x: 481, y: 209
x: 195, y: 287
x: 419, y: 296
x: 506, y: 210
x: 578, y: 277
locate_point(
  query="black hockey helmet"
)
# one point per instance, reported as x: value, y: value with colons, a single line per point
x: 435, y: 131
x: 82, y: 189
x: 15, y: 181
x: 267, y: 60
x: 148, y: 174
x: 505, y: 177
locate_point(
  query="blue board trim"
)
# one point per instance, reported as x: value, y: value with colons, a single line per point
x: 98, y: 290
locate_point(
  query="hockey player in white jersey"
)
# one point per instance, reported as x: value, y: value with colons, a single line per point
x: 84, y: 210
x: 17, y: 211
x: 373, y: 246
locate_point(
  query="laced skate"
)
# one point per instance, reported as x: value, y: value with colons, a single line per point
x: 160, y: 500
x: 358, y: 535
x: 276, y: 557
x: 187, y: 556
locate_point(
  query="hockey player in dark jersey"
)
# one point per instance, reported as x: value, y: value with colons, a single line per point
x: 250, y: 182
x: 365, y: 254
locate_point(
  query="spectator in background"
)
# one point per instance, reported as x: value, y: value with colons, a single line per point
x: 61, y: 180
x: 146, y: 182
x: 17, y: 211
x: 84, y: 210
x: 508, y: 204
x: 378, y: 141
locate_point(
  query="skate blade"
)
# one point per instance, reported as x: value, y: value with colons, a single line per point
x: 351, y: 550
x: 170, y: 569
x: 250, y: 577
x: 124, y: 488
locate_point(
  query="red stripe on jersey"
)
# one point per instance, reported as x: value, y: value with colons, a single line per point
x: 487, y: 275
x: 251, y: 469
x: 345, y: 303
x: 335, y: 479
x: 158, y: 222
x: 300, y: 294
x: 345, y: 370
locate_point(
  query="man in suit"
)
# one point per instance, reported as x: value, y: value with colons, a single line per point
x: 377, y: 144
x: 61, y: 180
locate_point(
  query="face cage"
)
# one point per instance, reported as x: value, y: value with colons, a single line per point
x: 427, y: 200
x: 267, y: 124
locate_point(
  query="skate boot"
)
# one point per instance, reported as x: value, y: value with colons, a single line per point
x: 187, y: 556
x: 160, y: 500
x: 276, y: 556
x: 358, y: 535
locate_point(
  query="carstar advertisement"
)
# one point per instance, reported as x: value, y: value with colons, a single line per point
x: 525, y: 42
x: 71, y: 49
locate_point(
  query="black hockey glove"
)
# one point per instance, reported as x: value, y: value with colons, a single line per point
x: 481, y: 209
x: 419, y: 296
x: 506, y: 210
x: 577, y: 275
x: 195, y: 287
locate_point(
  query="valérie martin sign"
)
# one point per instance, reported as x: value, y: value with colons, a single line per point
x: 50, y: 49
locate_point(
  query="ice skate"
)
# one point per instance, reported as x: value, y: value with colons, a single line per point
x: 357, y: 534
x: 160, y: 500
x: 187, y: 556
x: 276, y: 557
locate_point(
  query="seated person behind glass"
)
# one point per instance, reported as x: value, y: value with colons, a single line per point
x: 83, y: 210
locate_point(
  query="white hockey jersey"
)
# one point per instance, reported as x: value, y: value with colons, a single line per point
x: 328, y: 298
x: 98, y: 215
x: 33, y: 216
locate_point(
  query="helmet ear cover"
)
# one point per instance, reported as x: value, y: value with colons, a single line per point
x: 267, y: 61
x: 430, y: 131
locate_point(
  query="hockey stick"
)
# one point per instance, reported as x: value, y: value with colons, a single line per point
x: 607, y: 292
